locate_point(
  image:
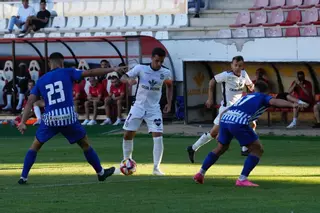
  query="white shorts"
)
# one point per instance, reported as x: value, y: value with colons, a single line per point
x: 217, y: 119
x: 137, y: 115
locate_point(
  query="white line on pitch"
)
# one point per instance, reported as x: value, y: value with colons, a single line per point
x: 92, y: 182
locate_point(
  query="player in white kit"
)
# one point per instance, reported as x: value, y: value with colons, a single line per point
x: 232, y: 85
x: 146, y: 106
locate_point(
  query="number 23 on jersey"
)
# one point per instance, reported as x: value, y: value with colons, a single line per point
x: 55, y: 88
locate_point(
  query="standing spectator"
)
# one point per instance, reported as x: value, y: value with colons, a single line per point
x: 116, y: 96
x: 301, y: 89
x: 103, y: 64
x: 79, y: 94
x: 35, y: 23
x: 23, y: 13
x: 94, y: 99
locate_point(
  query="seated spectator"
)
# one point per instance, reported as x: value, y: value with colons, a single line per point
x: 316, y: 110
x: 79, y: 95
x: 301, y: 89
x: 22, y: 82
x: 94, y: 99
x: 35, y: 23
x: 23, y: 13
x: 261, y: 75
x: 116, y: 96
x: 36, y: 106
x: 198, y: 4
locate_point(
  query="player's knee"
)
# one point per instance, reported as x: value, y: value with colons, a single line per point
x: 128, y: 135
x: 84, y: 143
x: 86, y: 104
x: 316, y: 107
x: 119, y: 102
x: 36, y: 145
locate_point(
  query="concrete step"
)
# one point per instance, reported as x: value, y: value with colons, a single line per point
x: 210, y: 22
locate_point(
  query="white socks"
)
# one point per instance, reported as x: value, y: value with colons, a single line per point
x: 205, y: 138
x: 127, y: 148
x: 244, y: 148
x: 157, y: 151
x: 37, y: 112
x: 21, y: 98
x: 9, y: 97
x: 242, y: 178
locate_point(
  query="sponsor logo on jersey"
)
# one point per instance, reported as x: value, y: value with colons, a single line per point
x: 152, y: 84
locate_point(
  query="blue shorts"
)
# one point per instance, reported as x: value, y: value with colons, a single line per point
x: 243, y: 133
x: 73, y: 133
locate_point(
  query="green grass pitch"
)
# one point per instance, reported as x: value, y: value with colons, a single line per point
x: 62, y: 181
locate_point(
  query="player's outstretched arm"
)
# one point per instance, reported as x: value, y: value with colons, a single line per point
x: 100, y: 71
x: 281, y: 103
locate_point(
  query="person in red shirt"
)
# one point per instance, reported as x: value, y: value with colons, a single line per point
x: 116, y: 96
x: 79, y: 94
x: 94, y: 99
x: 301, y: 89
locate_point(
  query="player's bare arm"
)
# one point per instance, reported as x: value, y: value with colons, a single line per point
x: 209, y: 102
x: 26, y: 112
x: 126, y: 79
x: 250, y: 87
x: 169, y: 93
x: 290, y: 90
x: 282, y: 103
x: 100, y: 71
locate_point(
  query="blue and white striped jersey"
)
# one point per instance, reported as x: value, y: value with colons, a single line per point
x: 55, y: 87
x: 247, y: 109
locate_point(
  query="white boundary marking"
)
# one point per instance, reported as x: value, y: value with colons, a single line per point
x: 91, y: 183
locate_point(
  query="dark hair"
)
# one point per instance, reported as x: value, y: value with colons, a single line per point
x: 32, y: 81
x: 237, y: 58
x: 56, y: 55
x: 43, y: 1
x: 121, y: 65
x: 104, y: 60
x: 261, y: 86
x: 159, y: 52
x: 300, y: 73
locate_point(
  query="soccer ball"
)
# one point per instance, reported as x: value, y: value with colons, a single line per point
x: 128, y: 166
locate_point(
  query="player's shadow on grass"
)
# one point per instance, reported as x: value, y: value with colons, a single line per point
x: 141, y: 193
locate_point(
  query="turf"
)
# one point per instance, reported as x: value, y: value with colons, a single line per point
x: 61, y: 180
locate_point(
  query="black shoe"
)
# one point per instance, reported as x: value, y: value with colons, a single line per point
x: 196, y: 15
x: 107, y: 173
x: 245, y: 153
x: 191, y: 153
x: 22, y: 182
x: 316, y: 126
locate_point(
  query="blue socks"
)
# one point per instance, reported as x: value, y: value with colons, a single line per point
x: 93, y: 160
x: 208, y: 162
x: 249, y: 164
x: 28, y: 162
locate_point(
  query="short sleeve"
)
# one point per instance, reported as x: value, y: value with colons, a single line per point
x: 48, y: 14
x: 134, y: 72
x: 168, y: 76
x: 123, y: 88
x: 33, y: 12
x: 76, y: 74
x: 221, y: 77
x: 248, y: 80
x: 36, y: 91
x: 267, y: 99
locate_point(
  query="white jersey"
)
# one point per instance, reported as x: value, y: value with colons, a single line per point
x: 149, y: 89
x: 232, y: 86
